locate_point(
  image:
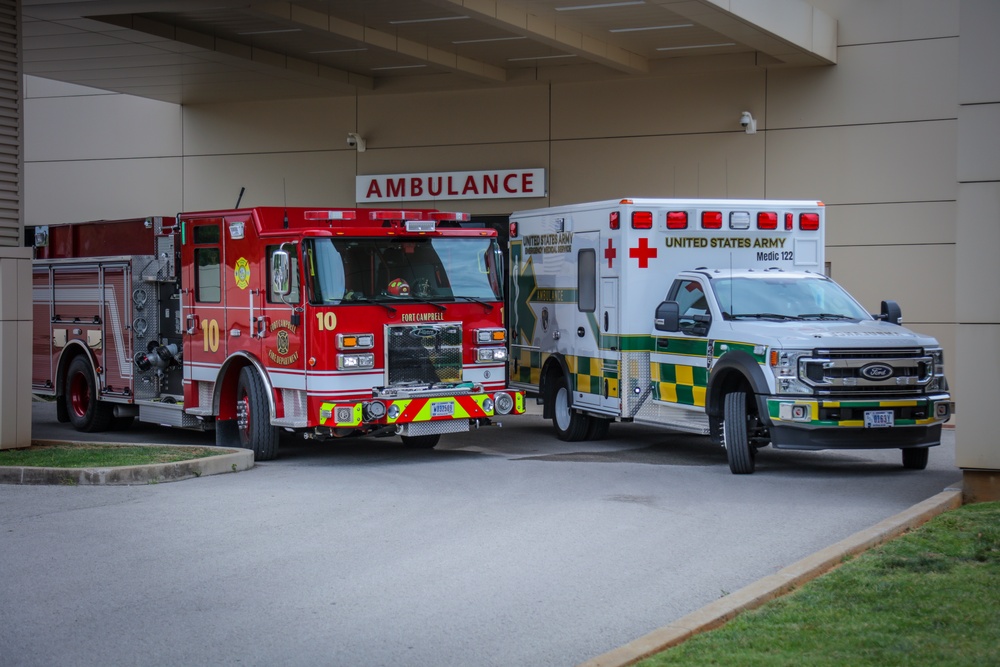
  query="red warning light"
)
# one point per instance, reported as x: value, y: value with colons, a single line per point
x: 677, y: 220
x: 642, y: 219
x: 809, y: 222
x: 767, y: 220
x: 711, y: 219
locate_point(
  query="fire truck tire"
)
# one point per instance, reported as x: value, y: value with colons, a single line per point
x: 86, y: 413
x: 254, y: 417
x: 736, y: 431
x: 571, y: 426
x: 421, y: 441
x: 915, y: 459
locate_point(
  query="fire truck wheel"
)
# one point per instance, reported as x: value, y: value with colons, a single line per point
x: 86, y: 413
x: 253, y: 418
x: 571, y: 426
x: 736, y: 434
x: 420, y: 441
x: 915, y: 459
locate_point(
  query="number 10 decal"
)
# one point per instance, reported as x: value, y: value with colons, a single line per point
x: 211, y: 330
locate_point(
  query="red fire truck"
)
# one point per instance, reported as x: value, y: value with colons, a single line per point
x: 329, y: 322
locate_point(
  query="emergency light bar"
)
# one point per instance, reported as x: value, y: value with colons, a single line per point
x: 329, y: 215
x: 442, y: 216
x: 397, y: 215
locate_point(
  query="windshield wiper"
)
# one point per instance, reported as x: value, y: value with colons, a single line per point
x: 763, y: 316
x: 485, y: 304
x: 429, y: 302
x: 826, y: 316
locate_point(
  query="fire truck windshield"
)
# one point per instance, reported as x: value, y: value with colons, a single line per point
x: 341, y: 270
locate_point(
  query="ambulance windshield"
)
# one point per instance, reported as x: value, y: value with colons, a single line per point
x: 785, y: 298
x: 391, y: 269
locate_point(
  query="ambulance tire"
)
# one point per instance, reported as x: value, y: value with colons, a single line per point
x: 86, y: 413
x: 598, y: 428
x: 420, y: 441
x: 571, y: 426
x: 736, y: 431
x: 915, y: 458
x: 254, y: 417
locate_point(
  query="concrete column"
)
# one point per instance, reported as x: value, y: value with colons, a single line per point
x: 15, y: 347
x: 978, y: 251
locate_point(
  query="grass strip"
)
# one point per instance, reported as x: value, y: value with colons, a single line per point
x: 930, y: 597
x: 73, y: 455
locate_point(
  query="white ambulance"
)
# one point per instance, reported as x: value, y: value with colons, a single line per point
x: 712, y: 317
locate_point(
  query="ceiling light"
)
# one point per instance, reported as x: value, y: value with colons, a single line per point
x: 491, y: 39
x: 375, y: 69
x: 338, y: 51
x: 653, y: 27
x: 698, y: 46
x: 270, y: 32
x: 603, y: 5
x: 433, y: 20
x: 541, y: 57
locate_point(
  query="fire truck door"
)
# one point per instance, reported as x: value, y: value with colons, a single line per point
x: 242, y: 279
x: 204, y: 304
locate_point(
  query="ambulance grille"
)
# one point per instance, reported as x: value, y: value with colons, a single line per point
x: 842, y: 372
x: 424, y: 353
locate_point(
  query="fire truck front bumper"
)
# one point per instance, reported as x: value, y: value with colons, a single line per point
x: 435, y: 413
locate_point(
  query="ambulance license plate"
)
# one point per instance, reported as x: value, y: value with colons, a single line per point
x: 879, y: 419
x: 442, y: 409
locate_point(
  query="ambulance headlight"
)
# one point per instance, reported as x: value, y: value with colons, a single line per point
x: 938, y: 381
x: 784, y: 365
x: 354, y: 362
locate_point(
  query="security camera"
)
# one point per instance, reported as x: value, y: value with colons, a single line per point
x: 748, y: 122
x: 355, y: 141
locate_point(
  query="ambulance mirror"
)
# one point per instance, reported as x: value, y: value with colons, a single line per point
x: 281, y: 283
x: 668, y: 315
x: 891, y: 313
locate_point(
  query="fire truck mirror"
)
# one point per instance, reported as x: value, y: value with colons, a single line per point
x: 281, y: 283
x: 668, y: 315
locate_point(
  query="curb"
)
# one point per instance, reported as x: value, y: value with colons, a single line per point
x: 227, y: 460
x: 784, y: 581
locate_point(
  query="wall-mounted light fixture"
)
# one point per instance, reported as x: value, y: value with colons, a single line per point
x: 355, y: 141
x: 748, y: 122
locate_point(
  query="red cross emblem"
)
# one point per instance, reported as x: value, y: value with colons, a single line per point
x: 610, y: 253
x: 642, y: 253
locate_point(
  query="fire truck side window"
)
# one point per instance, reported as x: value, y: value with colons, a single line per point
x: 587, y: 281
x: 292, y: 296
x: 208, y: 264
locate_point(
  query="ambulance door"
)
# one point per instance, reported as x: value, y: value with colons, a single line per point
x: 679, y: 361
x: 610, y: 343
x: 204, y: 304
x: 586, y: 362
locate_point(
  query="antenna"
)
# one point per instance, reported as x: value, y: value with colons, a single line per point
x: 284, y: 196
x: 240, y: 198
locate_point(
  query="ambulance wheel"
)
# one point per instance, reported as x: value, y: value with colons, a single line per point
x: 598, y: 428
x: 571, y: 426
x: 253, y: 417
x: 85, y: 412
x: 736, y: 429
x: 915, y: 458
x: 420, y: 441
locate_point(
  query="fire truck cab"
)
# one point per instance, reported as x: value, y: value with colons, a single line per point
x: 328, y: 322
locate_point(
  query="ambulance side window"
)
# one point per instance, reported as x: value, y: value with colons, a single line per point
x: 207, y: 264
x: 691, y: 301
x: 586, y: 281
x: 293, y: 296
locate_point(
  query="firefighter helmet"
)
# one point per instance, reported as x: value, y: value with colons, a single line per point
x: 398, y: 287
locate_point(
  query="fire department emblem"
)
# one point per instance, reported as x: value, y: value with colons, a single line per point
x: 242, y: 273
x: 282, y: 342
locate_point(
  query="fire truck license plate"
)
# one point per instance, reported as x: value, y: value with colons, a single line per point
x: 878, y: 418
x: 442, y: 409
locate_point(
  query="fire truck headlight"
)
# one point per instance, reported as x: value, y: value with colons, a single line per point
x: 504, y: 402
x: 373, y: 411
x: 487, y: 405
x: 355, y: 341
x: 350, y: 362
x: 491, y: 336
x: 393, y: 411
x: 486, y: 355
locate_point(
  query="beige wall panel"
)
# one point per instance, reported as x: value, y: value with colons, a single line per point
x: 702, y: 102
x: 976, y: 433
x: 722, y: 165
x: 977, y: 253
x: 533, y: 155
x: 874, y: 83
x: 864, y: 164
x: 57, y: 192
x: 979, y: 142
x: 865, y: 21
x: 448, y: 118
x: 920, y: 278
x: 980, y: 52
x: 35, y: 86
x: 96, y: 127
x: 268, y: 127
x: 295, y: 179
x: 15, y: 277
x: 890, y: 224
x: 15, y: 384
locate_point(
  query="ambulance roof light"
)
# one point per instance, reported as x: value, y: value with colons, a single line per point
x: 711, y: 219
x: 789, y: 219
x: 739, y: 220
x: 677, y: 220
x: 329, y: 215
x: 809, y: 222
x: 767, y: 220
x: 642, y: 219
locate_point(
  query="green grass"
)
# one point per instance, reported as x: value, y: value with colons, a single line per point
x: 98, y: 455
x: 928, y: 598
